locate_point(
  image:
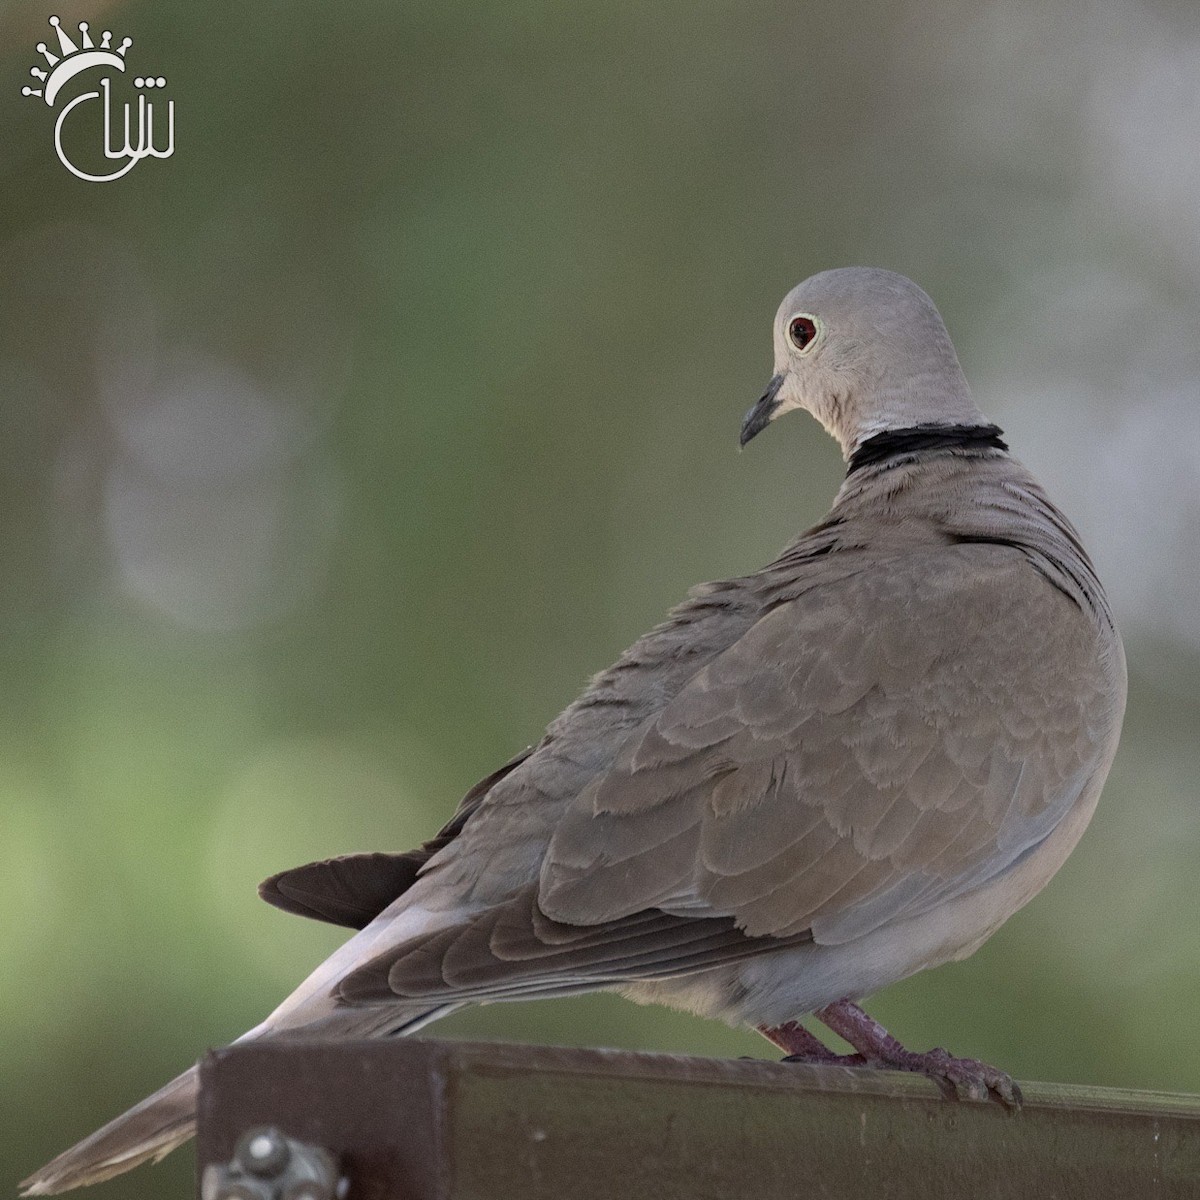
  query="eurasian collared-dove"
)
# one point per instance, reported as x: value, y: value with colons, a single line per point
x: 808, y: 783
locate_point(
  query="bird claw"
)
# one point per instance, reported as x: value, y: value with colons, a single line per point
x: 964, y: 1078
x: 961, y: 1078
x: 956, y: 1078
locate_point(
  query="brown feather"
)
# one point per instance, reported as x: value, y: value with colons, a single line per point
x: 516, y: 946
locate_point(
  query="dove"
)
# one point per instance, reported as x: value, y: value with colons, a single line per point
x: 808, y: 783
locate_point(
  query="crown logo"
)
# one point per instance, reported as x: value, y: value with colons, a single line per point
x: 127, y: 129
x: 73, y: 59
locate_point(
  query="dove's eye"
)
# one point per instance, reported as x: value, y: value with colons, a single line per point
x: 803, y: 331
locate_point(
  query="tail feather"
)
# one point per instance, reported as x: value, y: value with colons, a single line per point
x: 167, y: 1119
x: 145, y: 1133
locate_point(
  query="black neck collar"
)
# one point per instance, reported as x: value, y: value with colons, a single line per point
x: 896, y: 443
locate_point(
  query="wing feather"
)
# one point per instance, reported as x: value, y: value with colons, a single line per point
x: 515, y: 948
x: 902, y: 733
x: 857, y: 755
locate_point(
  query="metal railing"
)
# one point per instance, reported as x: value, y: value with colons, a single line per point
x: 438, y: 1120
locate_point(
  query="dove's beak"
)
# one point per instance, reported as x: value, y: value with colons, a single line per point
x: 759, y: 417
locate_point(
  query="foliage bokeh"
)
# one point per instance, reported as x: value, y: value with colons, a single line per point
x: 339, y: 449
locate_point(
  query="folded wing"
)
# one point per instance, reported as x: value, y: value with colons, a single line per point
x: 859, y: 756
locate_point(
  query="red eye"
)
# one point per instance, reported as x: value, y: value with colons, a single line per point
x: 802, y: 330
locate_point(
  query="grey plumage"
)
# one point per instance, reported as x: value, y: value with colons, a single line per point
x: 807, y: 783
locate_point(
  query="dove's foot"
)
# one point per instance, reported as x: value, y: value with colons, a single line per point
x: 803, y: 1047
x: 965, y: 1078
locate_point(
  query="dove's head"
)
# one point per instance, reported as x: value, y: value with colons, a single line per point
x: 865, y: 351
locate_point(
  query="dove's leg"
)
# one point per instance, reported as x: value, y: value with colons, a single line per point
x: 967, y: 1078
x: 801, y: 1046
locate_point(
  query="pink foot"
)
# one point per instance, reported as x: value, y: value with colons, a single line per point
x: 804, y: 1047
x: 966, y: 1078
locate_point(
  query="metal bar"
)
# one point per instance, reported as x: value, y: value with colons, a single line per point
x: 436, y: 1120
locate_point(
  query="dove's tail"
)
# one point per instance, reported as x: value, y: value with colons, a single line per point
x: 152, y: 1129
x: 145, y: 1133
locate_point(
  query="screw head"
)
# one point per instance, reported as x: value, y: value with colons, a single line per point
x: 263, y: 1152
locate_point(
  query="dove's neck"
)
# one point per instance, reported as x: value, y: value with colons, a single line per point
x: 915, y: 439
x: 935, y: 396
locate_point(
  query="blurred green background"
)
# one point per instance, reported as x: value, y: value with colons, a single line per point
x: 340, y: 448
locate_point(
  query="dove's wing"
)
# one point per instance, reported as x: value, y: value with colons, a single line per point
x: 514, y: 951
x: 861, y: 755
x: 865, y: 751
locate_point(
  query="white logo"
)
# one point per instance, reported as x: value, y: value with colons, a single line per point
x: 139, y: 134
